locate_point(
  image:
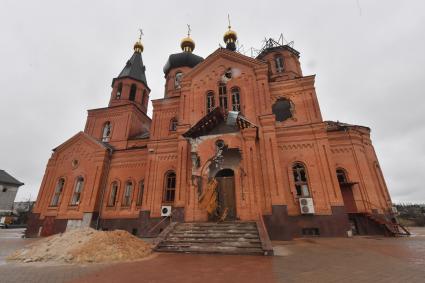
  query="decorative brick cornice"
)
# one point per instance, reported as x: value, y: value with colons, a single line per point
x: 296, y: 146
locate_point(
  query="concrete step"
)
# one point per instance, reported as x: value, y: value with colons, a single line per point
x: 214, y: 250
x: 209, y: 237
x: 216, y: 226
x: 205, y: 230
x: 213, y: 235
x: 208, y: 245
x: 212, y: 240
x: 216, y: 229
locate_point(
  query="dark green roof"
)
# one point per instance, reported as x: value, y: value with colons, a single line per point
x: 183, y: 59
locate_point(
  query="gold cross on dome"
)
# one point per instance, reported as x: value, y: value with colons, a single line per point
x: 188, y: 30
x: 141, y: 34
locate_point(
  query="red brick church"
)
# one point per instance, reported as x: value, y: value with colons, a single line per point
x: 250, y: 130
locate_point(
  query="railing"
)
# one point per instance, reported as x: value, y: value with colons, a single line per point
x: 266, y: 244
x: 393, y: 227
x: 363, y: 206
x: 160, y: 222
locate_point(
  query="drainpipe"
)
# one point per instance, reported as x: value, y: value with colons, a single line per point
x: 104, y: 185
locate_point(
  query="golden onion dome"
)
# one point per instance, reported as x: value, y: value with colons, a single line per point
x: 230, y: 35
x: 187, y: 44
x: 138, y: 46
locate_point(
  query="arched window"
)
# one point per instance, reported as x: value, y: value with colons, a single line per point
x: 279, y: 64
x: 341, y: 176
x: 128, y: 191
x: 119, y: 91
x: 210, y: 101
x: 76, y: 196
x: 106, y: 133
x: 133, y: 89
x: 113, y: 194
x: 222, y: 95
x: 177, y: 80
x: 301, y: 180
x: 170, y: 187
x: 173, y: 125
x: 282, y: 109
x: 58, y: 191
x: 236, y: 102
x: 140, y: 193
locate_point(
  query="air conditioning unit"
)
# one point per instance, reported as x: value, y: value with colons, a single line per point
x: 166, y: 210
x: 306, y: 205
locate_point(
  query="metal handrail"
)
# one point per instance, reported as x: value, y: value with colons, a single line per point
x: 157, y: 224
x: 367, y: 202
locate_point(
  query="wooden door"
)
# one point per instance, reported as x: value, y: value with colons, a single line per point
x: 226, y: 197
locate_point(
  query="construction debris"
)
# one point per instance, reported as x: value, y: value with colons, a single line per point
x: 208, y: 200
x: 85, y: 245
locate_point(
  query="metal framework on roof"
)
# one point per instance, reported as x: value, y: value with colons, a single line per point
x: 271, y: 44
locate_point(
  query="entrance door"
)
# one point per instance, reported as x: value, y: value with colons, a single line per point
x: 348, y: 197
x: 346, y: 191
x: 226, y: 193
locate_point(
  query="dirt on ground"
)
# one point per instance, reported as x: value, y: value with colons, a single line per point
x: 84, y: 246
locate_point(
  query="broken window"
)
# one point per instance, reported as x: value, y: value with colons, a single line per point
x: 210, y: 101
x: 173, y: 125
x: 222, y: 96
x: 300, y: 179
x: 177, y: 80
x: 127, y: 194
x: 113, y: 195
x: 58, y: 191
x: 227, y: 75
x: 236, y: 102
x: 133, y: 90
x: 140, y: 193
x: 119, y: 91
x: 279, y: 64
x: 282, y: 109
x: 341, y: 176
x: 170, y: 187
x: 106, y: 134
x: 76, y: 197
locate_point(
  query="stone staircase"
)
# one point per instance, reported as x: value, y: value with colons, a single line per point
x: 240, y: 238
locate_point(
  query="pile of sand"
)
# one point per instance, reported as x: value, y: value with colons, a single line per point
x: 85, y: 245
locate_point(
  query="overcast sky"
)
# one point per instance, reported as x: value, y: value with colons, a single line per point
x: 57, y: 59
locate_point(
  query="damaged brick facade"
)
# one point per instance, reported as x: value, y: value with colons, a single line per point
x: 278, y: 147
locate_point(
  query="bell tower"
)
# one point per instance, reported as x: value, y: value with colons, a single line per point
x: 131, y: 87
x: 125, y: 117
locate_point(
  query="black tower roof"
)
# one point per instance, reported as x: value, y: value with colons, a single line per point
x: 134, y: 69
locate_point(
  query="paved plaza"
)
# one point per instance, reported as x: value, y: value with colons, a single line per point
x: 358, y: 259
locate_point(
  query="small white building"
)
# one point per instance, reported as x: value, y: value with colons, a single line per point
x: 8, y: 189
